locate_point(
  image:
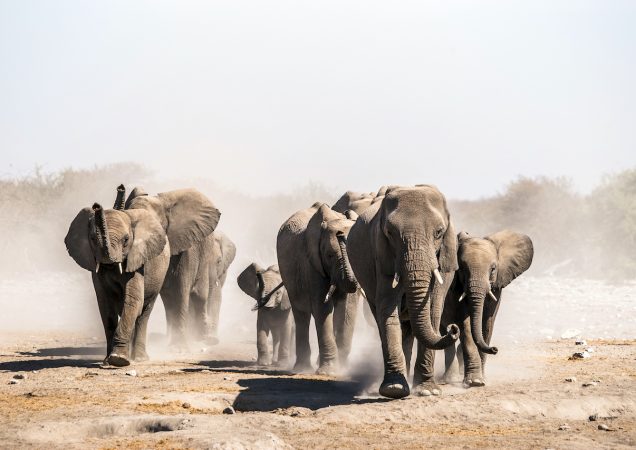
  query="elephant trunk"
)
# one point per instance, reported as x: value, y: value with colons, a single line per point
x: 121, y: 198
x: 476, y: 298
x: 346, y: 272
x: 417, y: 286
x: 101, y: 230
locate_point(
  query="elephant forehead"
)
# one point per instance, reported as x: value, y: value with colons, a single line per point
x: 271, y: 279
x: 117, y: 221
x: 477, y: 248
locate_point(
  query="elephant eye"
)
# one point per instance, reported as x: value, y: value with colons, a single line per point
x: 126, y: 240
x: 492, y: 269
x: 439, y: 232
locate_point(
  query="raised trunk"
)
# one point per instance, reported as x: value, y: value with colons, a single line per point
x: 417, y: 282
x: 476, y: 320
x: 121, y: 198
x: 350, y: 283
x: 101, y: 230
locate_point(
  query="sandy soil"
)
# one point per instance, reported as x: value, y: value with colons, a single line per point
x: 67, y: 400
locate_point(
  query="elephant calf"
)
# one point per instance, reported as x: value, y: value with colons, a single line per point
x: 274, y: 313
x: 486, y: 266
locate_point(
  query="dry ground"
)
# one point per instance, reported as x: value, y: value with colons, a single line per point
x: 67, y: 400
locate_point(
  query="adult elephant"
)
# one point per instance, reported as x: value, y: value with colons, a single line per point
x: 274, y: 314
x: 312, y: 256
x: 188, y: 218
x: 127, y: 253
x: 486, y: 266
x: 403, y: 251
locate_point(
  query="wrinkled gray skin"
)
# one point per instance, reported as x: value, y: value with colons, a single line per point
x: 274, y: 313
x: 312, y: 256
x: 206, y: 325
x: 103, y: 241
x: 485, y: 265
x: 394, y: 248
x: 189, y: 219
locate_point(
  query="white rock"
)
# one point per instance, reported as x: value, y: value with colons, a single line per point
x: 581, y: 355
x: 570, y: 379
x: 580, y: 342
x: 132, y: 373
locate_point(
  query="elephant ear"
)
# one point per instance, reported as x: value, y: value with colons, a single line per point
x: 138, y: 191
x: 190, y: 218
x: 274, y: 267
x: 148, y: 239
x: 462, y: 236
x: 515, y: 252
x: 285, y: 303
x: 351, y: 215
x: 228, y: 249
x: 249, y: 281
x: 77, y: 240
x: 448, y: 251
x: 314, y: 233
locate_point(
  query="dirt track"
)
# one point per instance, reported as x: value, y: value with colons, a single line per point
x: 67, y: 400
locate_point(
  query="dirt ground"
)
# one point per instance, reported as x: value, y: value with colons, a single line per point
x: 66, y: 400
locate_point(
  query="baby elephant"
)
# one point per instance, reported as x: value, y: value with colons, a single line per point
x: 274, y: 312
x: 486, y: 266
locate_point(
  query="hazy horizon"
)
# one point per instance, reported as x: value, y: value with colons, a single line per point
x: 263, y: 98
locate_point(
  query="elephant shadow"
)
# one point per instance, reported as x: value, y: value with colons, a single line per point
x: 269, y: 394
x: 56, y: 357
x: 239, y: 367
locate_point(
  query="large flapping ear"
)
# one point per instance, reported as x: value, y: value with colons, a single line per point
x: 249, y: 281
x: 77, y: 240
x: 148, y: 238
x: 284, y: 303
x: 190, y: 217
x: 514, y: 252
x: 228, y: 249
x: 138, y: 191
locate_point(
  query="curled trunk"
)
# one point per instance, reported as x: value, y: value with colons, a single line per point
x: 350, y: 283
x: 101, y: 230
x: 476, y: 321
x: 121, y: 198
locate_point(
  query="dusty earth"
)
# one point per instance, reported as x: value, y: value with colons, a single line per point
x: 64, y: 398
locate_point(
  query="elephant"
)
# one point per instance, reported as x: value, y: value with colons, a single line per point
x: 353, y: 201
x: 127, y: 253
x: 222, y: 255
x: 189, y: 220
x: 403, y: 251
x: 274, y: 312
x: 312, y: 256
x: 486, y: 266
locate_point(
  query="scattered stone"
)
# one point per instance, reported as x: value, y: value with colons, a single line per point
x: 186, y: 405
x: 580, y: 342
x: 571, y: 379
x: 12, y: 381
x: 580, y: 355
x: 603, y: 427
x: 564, y: 427
x: 226, y: 378
x: 132, y: 373
x: 19, y: 376
x: 597, y: 381
x: 206, y: 371
x: 229, y: 410
x: 571, y: 333
x: 34, y: 371
x: 590, y: 349
x: 593, y: 418
x: 589, y: 383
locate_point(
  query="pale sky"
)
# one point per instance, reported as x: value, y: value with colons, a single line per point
x: 265, y: 96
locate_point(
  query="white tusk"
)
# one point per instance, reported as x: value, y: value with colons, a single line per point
x: 120, y: 271
x: 97, y: 268
x: 396, y: 280
x: 462, y: 297
x: 216, y: 283
x: 438, y: 276
x: 364, y: 294
x: 332, y: 289
x: 492, y: 295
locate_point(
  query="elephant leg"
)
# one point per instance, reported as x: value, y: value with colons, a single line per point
x: 327, y: 348
x: 451, y: 372
x: 275, y: 343
x: 214, y: 310
x: 141, y: 328
x: 490, y: 314
x: 176, y: 297
x: 198, y: 307
x: 423, y: 372
x: 262, y: 333
x: 303, y: 351
x: 472, y: 359
x: 108, y: 313
x: 369, y: 317
x: 394, y: 384
x: 285, y: 330
x: 132, y: 306
x: 344, y: 317
x: 407, y: 345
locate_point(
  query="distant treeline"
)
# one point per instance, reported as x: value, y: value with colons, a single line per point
x: 576, y: 235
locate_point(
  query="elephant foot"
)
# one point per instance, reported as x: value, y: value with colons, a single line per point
x: 426, y: 389
x: 329, y: 368
x: 263, y: 361
x: 282, y: 363
x: 118, y: 360
x: 474, y: 380
x: 394, y: 385
x: 140, y: 356
x: 303, y: 367
x: 451, y: 377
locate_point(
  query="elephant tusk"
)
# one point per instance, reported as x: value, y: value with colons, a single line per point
x: 364, y: 294
x: 462, y: 297
x: 438, y: 276
x: 396, y: 280
x: 120, y: 271
x: 332, y: 289
x: 492, y: 295
x: 97, y: 268
x: 216, y: 283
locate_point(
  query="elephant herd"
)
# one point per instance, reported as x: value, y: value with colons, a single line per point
x: 397, y: 248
